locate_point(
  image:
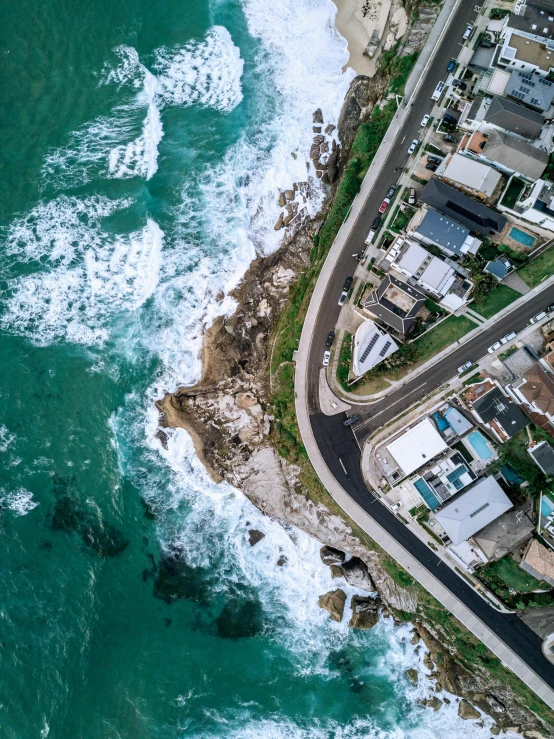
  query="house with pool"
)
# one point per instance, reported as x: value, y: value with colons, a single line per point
x: 494, y: 410
x: 532, y: 204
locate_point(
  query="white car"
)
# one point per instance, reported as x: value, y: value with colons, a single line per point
x: 468, y: 31
x: 508, y: 337
x: 326, y: 358
x: 538, y: 317
x: 494, y: 347
x: 413, y: 146
x: 396, y: 506
x: 425, y: 120
x: 465, y: 366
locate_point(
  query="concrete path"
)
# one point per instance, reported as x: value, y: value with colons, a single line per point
x: 514, y: 281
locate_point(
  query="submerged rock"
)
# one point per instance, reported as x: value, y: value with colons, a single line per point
x: 467, y: 711
x: 412, y: 675
x: 282, y: 561
x: 331, y: 556
x: 365, y: 612
x: 254, y: 536
x: 240, y: 618
x: 333, y: 602
x: 177, y: 580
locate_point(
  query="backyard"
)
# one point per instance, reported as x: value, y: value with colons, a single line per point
x: 511, y: 196
x: 496, y: 300
x: 512, y: 585
x: 538, y: 269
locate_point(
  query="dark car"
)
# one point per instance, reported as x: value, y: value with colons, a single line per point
x: 451, y: 65
x: 433, y: 159
x: 459, y: 84
x: 348, y: 283
x: 330, y: 338
x: 351, y: 420
x: 376, y: 222
x: 431, y: 166
x: 486, y: 44
x: 447, y: 118
x: 450, y: 138
x: 550, y: 309
x: 392, y: 190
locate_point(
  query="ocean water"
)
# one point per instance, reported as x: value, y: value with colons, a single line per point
x: 143, y: 146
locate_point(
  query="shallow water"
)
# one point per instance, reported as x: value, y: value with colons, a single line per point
x: 143, y: 147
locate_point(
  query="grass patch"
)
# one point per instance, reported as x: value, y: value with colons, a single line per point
x: 495, y: 301
x: 417, y: 179
x: 403, y: 217
x: 511, y: 573
x: 397, y: 67
x: 538, y: 269
x: 514, y: 452
x: 345, y: 360
x: 511, y: 196
x: 372, y: 386
x: 441, y: 336
x: 473, y: 379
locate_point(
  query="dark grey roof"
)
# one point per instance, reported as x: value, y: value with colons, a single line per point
x: 443, y: 231
x: 391, y: 314
x: 482, y: 58
x: 498, y: 268
x: 513, y: 117
x: 495, y: 406
x: 534, y: 17
x: 543, y: 454
x: 461, y: 208
x: 531, y: 89
x: 475, y: 105
x: 515, y: 154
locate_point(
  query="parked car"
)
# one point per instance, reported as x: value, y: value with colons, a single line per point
x: 494, y: 347
x: 451, y: 139
x: 413, y: 146
x: 392, y: 190
x: 486, y: 43
x: 425, y: 120
x: 396, y: 506
x: 550, y: 308
x: 451, y: 65
x: 538, y: 317
x: 468, y: 31
x: 345, y: 289
x: 465, y: 366
x: 351, y: 420
x: 412, y: 198
x: 508, y: 337
x: 447, y: 118
x: 432, y: 167
x: 434, y: 159
x: 330, y: 338
x: 384, y: 205
x: 326, y: 358
x: 460, y: 84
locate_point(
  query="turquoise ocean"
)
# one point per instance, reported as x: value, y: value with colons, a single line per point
x: 142, y: 148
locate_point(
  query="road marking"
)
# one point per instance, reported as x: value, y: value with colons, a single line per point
x: 404, y: 139
x: 343, y: 467
x: 364, y: 423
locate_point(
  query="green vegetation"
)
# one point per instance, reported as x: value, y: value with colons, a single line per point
x: 538, y: 269
x: 477, y: 377
x: 442, y: 335
x: 500, y: 297
x: 511, y: 573
x: 513, y: 585
x: 511, y: 196
x: 483, y: 284
x: 514, y: 452
x: 397, y: 67
x: 401, y: 219
x: 345, y: 361
x: 417, y: 179
x: 498, y: 13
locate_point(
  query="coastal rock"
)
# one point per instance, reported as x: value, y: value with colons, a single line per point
x: 279, y: 223
x: 412, y: 675
x: 282, y: 200
x: 356, y: 573
x: 329, y: 128
x: 495, y: 730
x: 332, y: 166
x: 333, y: 602
x: 330, y: 555
x: 317, y: 116
x: 434, y: 703
x: 415, y: 38
x: 289, y: 195
x: 255, y: 536
x: 365, y: 612
x: 282, y: 561
x: 428, y: 662
x: 356, y: 108
x: 467, y: 711
x: 495, y: 704
x: 336, y: 571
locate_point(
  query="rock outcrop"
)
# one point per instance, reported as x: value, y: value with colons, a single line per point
x: 467, y: 711
x: 331, y: 556
x: 356, y: 573
x: 365, y: 612
x: 333, y: 602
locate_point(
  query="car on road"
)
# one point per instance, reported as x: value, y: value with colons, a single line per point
x: 425, y: 120
x: 432, y: 167
x: 345, y: 289
x: 326, y: 358
x: 350, y: 420
x: 538, y: 317
x: 451, y: 139
x: 465, y: 366
x: 468, y: 31
x: 451, y: 65
x: 392, y: 190
x: 494, y: 347
x: 413, y: 146
x: 550, y: 309
x: 384, y: 205
x: 438, y: 90
x: 433, y: 159
x: 412, y: 197
x: 330, y: 338
x: 508, y: 337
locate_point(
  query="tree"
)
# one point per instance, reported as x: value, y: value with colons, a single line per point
x: 483, y: 283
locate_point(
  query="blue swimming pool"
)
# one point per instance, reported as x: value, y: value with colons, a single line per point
x: 479, y: 443
x: 547, y: 506
x: 442, y: 423
x: 523, y: 238
x: 426, y: 493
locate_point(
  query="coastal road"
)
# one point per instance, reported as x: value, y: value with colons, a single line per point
x: 339, y: 448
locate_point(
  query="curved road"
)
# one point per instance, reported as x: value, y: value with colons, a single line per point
x: 334, y: 441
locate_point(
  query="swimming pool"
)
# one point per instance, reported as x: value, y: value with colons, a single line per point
x: 547, y: 506
x: 479, y: 443
x: 523, y: 238
x: 426, y: 493
x: 442, y: 423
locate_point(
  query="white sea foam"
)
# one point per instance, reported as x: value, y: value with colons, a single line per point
x: 19, y: 501
x: 6, y: 438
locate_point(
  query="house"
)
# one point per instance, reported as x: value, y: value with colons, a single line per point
x: 443, y: 480
x: 371, y: 346
x: 543, y: 456
x: 473, y: 509
x: 537, y: 205
x: 396, y: 304
x: 506, y: 115
x: 416, y: 446
x: 533, y: 19
x: 526, y: 52
x: 535, y: 392
x: 530, y: 89
x: 461, y: 208
x: 450, y: 236
x: 475, y: 178
x: 507, y: 533
x: 538, y: 561
x: 498, y: 268
x: 499, y: 414
x: 509, y: 154
x: 430, y: 273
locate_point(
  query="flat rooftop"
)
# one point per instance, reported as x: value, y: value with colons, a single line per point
x: 417, y: 446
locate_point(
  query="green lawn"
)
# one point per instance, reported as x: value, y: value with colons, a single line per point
x: 496, y: 300
x: 538, y: 269
x: 513, y: 192
x: 438, y: 338
x: 510, y: 573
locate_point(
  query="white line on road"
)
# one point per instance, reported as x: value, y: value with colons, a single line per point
x: 364, y: 423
